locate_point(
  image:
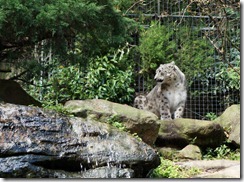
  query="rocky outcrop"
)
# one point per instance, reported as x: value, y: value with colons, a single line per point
x: 11, y: 92
x: 39, y: 143
x: 144, y: 123
x: 180, y: 132
x: 230, y: 120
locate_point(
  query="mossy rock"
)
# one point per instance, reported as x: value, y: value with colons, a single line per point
x: 190, y: 152
x: 143, y: 123
x: 168, y: 152
x: 230, y: 121
x: 181, y: 132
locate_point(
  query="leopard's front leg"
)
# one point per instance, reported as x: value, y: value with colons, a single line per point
x: 179, y: 111
x: 165, y: 109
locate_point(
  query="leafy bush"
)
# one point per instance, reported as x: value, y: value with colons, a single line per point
x: 168, y: 169
x: 229, y: 76
x: 222, y: 152
x: 156, y: 47
x: 67, y: 83
x: 195, y: 53
x: 105, y: 78
x: 160, y: 44
x: 211, y: 116
x: 221, y: 80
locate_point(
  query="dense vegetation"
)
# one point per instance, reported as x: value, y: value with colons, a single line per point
x: 160, y: 45
x: 78, y: 49
x: 94, y: 27
x: 106, y: 77
x: 68, y: 49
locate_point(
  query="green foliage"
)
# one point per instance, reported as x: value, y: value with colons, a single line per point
x: 211, y: 116
x: 156, y: 47
x: 162, y: 44
x: 222, y: 152
x: 123, y: 5
x: 230, y: 77
x: 168, y: 169
x: 115, y: 121
x: 33, y: 19
x: 221, y: 79
x: 105, y: 78
x: 195, y: 53
x: 96, y: 25
x: 111, y: 77
x: 58, y: 108
x: 66, y: 84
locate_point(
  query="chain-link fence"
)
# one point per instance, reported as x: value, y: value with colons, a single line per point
x: 194, y: 32
x: 211, y: 91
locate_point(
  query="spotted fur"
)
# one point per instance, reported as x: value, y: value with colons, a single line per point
x: 167, y: 99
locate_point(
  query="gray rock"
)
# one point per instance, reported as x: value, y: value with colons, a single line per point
x: 191, y: 152
x: 108, y: 172
x: 181, y: 132
x: 144, y: 123
x: 39, y: 143
x: 234, y: 136
x: 30, y: 166
x: 230, y: 120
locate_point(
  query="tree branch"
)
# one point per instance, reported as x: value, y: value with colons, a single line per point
x: 19, y: 75
x: 140, y: 1
x: 30, y: 83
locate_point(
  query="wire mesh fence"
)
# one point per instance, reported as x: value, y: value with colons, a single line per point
x: 199, y: 30
x: 209, y: 92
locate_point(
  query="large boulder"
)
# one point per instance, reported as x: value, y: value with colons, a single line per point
x: 12, y: 92
x: 180, y: 132
x: 39, y: 143
x: 230, y: 120
x: 144, y: 123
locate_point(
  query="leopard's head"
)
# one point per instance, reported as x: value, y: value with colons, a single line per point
x: 166, y: 73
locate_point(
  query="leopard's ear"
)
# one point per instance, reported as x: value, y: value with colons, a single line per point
x: 172, y: 63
